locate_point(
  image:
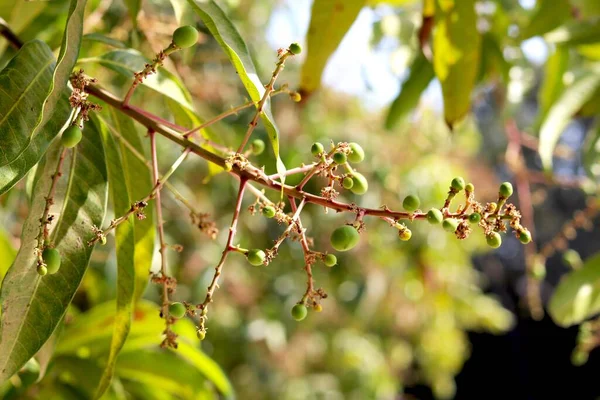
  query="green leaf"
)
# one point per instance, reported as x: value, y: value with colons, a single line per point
x: 591, y: 152
x: 493, y: 64
x: 36, y: 106
x: 546, y: 16
x: 127, y: 62
x: 591, y: 108
x: 421, y: 74
x: 139, y: 184
x: 577, y: 296
x: 7, y: 253
x: 574, y: 33
x: 232, y: 43
x: 591, y: 51
x: 97, y: 37
x: 559, y: 115
x: 329, y: 22
x: 456, y: 52
x: 587, y: 8
x: 133, y: 6
x: 32, y: 306
x: 552, y: 85
x: 125, y: 242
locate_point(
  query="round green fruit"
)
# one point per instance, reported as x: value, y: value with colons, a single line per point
x: 411, y: 203
x: 256, y: 257
x: 177, y: 310
x: 339, y: 158
x: 347, y: 183
x: 316, y: 149
x: 52, y: 260
x: 450, y: 224
x: 475, y: 218
x: 494, y: 240
x: 458, y: 183
x: 361, y: 185
x: 469, y: 188
x: 330, y: 260
x: 201, y: 334
x: 185, y: 36
x: 357, y: 154
x: 435, y: 216
x: 405, y: 234
x: 299, y: 312
x: 295, y: 48
x: 344, y: 238
x: 269, y: 211
x: 525, y: 236
x: 42, y: 270
x: 71, y: 136
x: 257, y: 147
x: 506, y: 190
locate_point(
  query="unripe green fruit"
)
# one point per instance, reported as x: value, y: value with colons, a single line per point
x: 257, y: 147
x: 347, y: 183
x: 357, y: 154
x: 269, y: 211
x: 405, y: 234
x: 42, y: 270
x: 296, y: 97
x: 506, y: 190
x: 525, y: 236
x: 344, y: 238
x: 52, y: 260
x: 538, y: 271
x: 494, y: 240
x: 450, y: 224
x: 469, y: 188
x: 458, y: 183
x: 177, y: 310
x: 572, y: 258
x: 330, y: 260
x: 256, y: 257
x: 339, y: 158
x: 361, y: 185
x: 411, y: 203
x: 316, y: 149
x: 435, y: 216
x: 71, y: 136
x: 318, y: 308
x: 295, y: 48
x: 475, y: 218
x: 579, y: 357
x: 185, y: 36
x: 299, y: 312
x: 201, y: 334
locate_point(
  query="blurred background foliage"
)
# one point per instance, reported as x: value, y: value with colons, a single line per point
x: 399, y: 314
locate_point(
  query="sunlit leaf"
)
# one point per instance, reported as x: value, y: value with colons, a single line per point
x: 139, y: 184
x: 575, y: 32
x: 232, y: 43
x: 7, y: 253
x: 421, y: 74
x: 577, y: 296
x: 456, y: 52
x: 561, y: 112
x: 546, y: 16
x: 553, y: 83
x: 127, y: 62
x: 32, y: 306
x: 329, y: 22
x: 124, y: 243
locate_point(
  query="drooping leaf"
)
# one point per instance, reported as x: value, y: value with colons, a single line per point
x: 546, y: 16
x: 32, y: 306
x: 591, y: 108
x: 127, y: 62
x: 35, y: 106
x: 575, y: 32
x: 493, y: 64
x: 421, y: 74
x: 329, y: 22
x: 577, y: 296
x: 552, y: 84
x: 139, y: 184
x: 133, y: 6
x: 591, y: 153
x: 561, y: 112
x: 456, y: 52
x: 232, y: 43
x: 183, y: 12
x: 125, y: 242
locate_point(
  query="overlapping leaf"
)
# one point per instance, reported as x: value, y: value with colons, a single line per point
x: 32, y: 306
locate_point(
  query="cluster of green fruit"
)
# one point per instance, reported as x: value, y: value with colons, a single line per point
x: 51, y: 263
x: 353, y: 181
